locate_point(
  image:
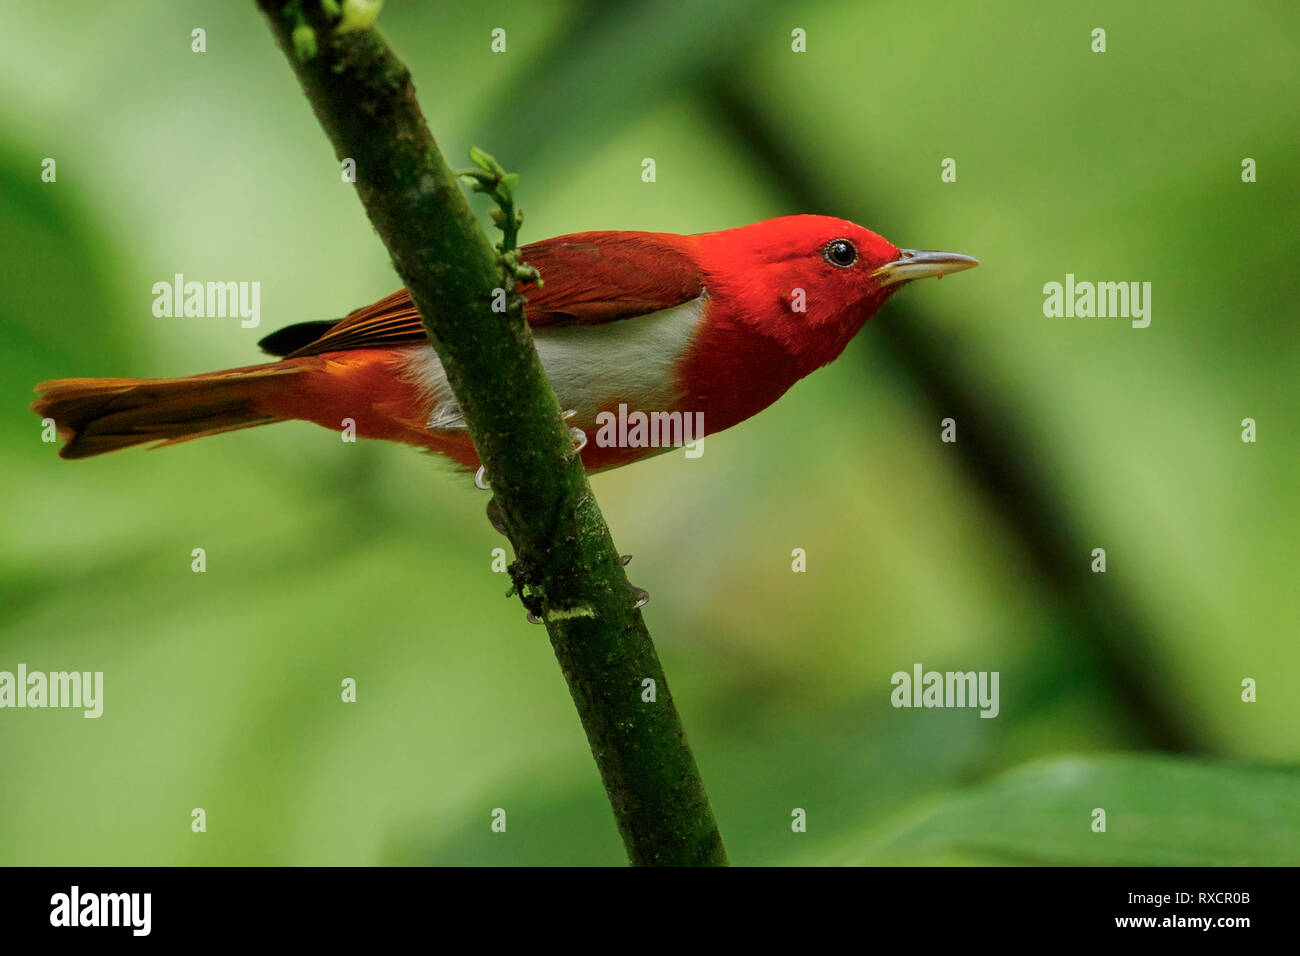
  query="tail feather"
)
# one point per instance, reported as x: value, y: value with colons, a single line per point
x: 98, y: 415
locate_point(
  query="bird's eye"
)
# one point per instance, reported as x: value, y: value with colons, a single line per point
x: 841, y: 252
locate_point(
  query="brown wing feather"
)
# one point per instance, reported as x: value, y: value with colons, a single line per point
x: 597, y: 277
x: 587, y: 279
x: 392, y: 320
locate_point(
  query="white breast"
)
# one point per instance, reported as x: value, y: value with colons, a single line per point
x: 591, y: 367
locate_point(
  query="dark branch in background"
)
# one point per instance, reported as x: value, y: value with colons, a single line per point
x: 567, y: 570
x: 995, y: 458
x: 1109, y: 635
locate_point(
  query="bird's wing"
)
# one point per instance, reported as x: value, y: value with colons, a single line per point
x: 587, y: 279
x: 597, y: 277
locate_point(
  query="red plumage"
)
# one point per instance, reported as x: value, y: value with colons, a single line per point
x: 720, y: 324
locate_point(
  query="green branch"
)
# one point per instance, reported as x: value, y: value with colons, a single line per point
x: 489, y: 177
x: 567, y: 569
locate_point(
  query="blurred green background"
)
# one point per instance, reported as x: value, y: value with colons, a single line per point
x: 371, y: 561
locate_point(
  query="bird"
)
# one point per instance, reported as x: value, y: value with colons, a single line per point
x: 714, y: 325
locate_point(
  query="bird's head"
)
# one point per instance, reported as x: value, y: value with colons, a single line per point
x: 811, y: 282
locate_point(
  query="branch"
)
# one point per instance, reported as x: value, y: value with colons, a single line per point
x: 567, y: 570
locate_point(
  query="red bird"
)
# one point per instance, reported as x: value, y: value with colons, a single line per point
x: 717, y: 325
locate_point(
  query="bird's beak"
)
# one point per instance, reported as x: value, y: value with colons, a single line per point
x: 918, y: 264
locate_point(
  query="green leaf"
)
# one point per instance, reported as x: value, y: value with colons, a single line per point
x: 478, y: 157
x: 1160, y: 811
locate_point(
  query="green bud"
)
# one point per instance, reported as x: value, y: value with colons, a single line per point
x: 359, y: 14
x: 304, y: 42
x: 481, y: 159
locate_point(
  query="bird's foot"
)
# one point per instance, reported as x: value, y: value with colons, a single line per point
x: 496, y: 518
x: 641, y: 594
x: 576, y: 435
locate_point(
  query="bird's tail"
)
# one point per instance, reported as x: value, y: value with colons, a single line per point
x: 97, y: 415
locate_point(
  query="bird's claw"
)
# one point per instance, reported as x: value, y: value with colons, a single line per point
x: 576, y: 435
x: 496, y: 518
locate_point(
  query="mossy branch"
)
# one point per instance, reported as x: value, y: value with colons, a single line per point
x: 568, y: 569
